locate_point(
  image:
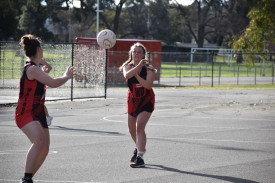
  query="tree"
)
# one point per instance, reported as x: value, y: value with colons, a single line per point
x: 9, y: 11
x: 234, y: 19
x: 134, y: 20
x: 160, y: 28
x: 259, y: 34
x: 198, y: 17
x: 33, y: 18
x: 214, y: 20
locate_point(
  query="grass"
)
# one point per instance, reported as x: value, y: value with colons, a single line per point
x: 12, y: 64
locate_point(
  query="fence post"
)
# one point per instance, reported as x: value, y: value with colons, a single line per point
x: 273, y: 73
x: 4, y: 69
x: 180, y: 77
x: 106, y: 73
x: 263, y: 68
x: 212, y: 78
x: 72, y: 81
x: 200, y: 77
x: 238, y: 75
x: 234, y: 69
x: 176, y: 68
x: 220, y: 74
x: 255, y: 74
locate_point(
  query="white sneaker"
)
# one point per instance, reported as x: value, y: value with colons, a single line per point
x: 49, y: 120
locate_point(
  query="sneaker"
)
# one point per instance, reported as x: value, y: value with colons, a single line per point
x: 27, y: 181
x: 49, y: 120
x: 139, y: 163
x: 134, y: 157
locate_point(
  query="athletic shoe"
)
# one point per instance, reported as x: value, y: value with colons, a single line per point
x: 134, y: 157
x: 139, y: 163
x: 27, y: 181
x: 49, y: 120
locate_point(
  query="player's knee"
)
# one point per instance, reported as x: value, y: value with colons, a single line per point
x: 132, y: 130
x: 140, y: 129
x: 40, y: 142
x: 45, y: 150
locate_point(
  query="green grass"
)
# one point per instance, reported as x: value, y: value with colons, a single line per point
x: 171, y: 70
x: 10, y: 67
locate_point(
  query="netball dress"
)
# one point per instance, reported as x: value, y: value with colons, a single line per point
x: 30, y: 106
x: 139, y: 98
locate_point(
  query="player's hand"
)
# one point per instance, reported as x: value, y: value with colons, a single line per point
x: 46, y: 67
x: 143, y: 62
x: 70, y: 72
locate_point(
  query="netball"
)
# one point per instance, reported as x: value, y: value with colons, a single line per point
x: 106, y: 39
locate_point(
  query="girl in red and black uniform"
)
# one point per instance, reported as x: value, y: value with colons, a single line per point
x: 30, y: 112
x: 140, y: 100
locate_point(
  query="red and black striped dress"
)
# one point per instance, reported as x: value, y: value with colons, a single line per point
x: 139, y: 99
x: 30, y: 106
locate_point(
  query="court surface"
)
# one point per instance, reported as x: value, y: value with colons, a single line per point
x: 194, y: 135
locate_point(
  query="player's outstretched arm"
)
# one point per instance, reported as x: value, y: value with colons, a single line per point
x: 35, y: 72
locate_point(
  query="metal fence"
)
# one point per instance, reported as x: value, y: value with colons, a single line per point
x: 98, y: 68
x: 186, y: 69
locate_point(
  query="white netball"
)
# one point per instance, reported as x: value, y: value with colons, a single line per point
x: 106, y: 39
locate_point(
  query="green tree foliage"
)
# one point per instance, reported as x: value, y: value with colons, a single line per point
x: 33, y: 18
x: 259, y: 35
x: 9, y: 12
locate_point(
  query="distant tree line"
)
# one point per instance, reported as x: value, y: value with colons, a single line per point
x: 212, y: 21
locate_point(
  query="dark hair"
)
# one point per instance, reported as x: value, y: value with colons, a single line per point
x: 130, y: 59
x: 30, y: 44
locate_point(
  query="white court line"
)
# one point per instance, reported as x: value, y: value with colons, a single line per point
x: 21, y: 152
x: 106, y: 118
x: 11, y: 180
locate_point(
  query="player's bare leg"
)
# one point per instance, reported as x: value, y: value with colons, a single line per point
x: 39, y: 138
x: 142, y: 120
x: 44, y: 151
x: 132, y: 127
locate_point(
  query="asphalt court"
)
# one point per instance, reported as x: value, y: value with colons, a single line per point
x: 194, y: 135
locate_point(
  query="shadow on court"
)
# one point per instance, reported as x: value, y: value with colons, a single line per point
x: 222, y: 178
x: 85, y: 130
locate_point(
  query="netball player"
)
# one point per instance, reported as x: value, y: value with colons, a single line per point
x: 30, y: 112
x: 140, y: 100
